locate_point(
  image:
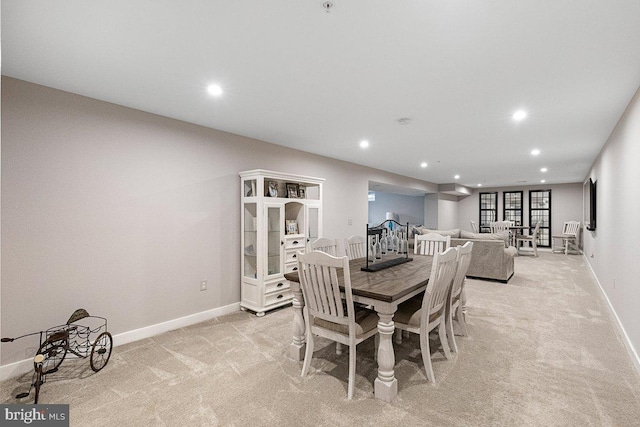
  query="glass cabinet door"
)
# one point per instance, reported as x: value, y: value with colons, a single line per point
x: 250, y: 241
x: 313, y: 223
x: 275, y: 221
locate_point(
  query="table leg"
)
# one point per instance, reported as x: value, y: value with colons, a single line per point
x: 297, y: 347
x: 386, y: 384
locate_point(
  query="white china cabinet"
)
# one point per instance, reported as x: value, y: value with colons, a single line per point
x: 281, y: 213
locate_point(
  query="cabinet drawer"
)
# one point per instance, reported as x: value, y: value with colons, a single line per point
x: 294, y: 243
x: 292, y: 256
x: 278, y: 297
x: 288, y: 268
x: 279, y: 285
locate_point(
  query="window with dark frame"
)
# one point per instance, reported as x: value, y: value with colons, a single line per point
x: 512, y: 206
x: 540, y: 210
x: 488, y: 210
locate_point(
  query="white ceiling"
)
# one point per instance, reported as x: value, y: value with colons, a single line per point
x: 297, y: 76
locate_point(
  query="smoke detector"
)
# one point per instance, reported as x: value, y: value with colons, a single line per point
x: 327, y: 6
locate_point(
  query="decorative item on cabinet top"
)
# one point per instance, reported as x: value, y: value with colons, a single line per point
x: 292, y: 190
x: 292, y: 226
x: 273, y: 189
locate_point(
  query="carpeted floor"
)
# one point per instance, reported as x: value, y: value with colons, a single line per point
x: 543, y: 351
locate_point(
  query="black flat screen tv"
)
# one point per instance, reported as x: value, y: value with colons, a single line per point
x: 590, y: 204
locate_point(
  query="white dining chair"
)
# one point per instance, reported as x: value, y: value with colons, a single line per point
x: 474, y: 227
x: 326, y: 313
x: 328, y: 246
x: 500, y: 226
x: 457, y: 297
x: 530, y: 238
x: 569, y: 237
x: 430, y: 243
x: 355, y: 247
x: 422, y: 314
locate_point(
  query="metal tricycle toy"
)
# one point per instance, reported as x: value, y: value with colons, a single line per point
x: 83, y: 335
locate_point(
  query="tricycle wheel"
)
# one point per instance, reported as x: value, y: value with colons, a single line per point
x: 101, y: 351
x: 54, y: 354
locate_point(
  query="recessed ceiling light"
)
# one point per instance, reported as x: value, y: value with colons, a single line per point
x: 479, y: 185
x: 543, y: 181
x: 543, y: 170
x: 456, y: 177
x: 423, y: 164
x: 535, y: 152
x: 519, y: 115
x: 214, y: 90
x: 364, y: 143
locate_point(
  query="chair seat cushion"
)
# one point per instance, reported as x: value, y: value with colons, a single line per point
x: 455, y: 299
x: 563, y: 236
x: 366, y: 320
x: 410, y: 311
x: 524, y: 238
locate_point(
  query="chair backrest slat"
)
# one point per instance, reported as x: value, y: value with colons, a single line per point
x: 536, y: 229
x: 355, y: 246
x: 571, y: 228
x: 320, y: 282
x: 328, y: 246
x: 499, y: 226
x: 430, y: 243
x: 443, y: 271
x: 464, y: 259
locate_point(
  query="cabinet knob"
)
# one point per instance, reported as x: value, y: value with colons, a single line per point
x: 295, y: 242
x: 295, y: 269
x: 281, y: 242
x: 280, y: 285
x: 294, y: 256
x: 280, y: 296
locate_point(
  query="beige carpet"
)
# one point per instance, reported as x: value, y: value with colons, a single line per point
x: 542, y: 351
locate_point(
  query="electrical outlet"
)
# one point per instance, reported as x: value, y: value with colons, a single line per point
x: 203, y: 285
x: 349, y: 221
x: 614, y: 283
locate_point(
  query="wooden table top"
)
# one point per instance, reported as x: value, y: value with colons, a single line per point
x: 386, y: 285
x: 511, y: 227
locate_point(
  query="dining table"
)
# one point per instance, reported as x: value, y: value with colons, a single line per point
x: 515, y: 230
x: 384, y: 290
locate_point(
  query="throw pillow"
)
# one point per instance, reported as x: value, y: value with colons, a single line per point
x: 486, y: 236
x: 455, y: 233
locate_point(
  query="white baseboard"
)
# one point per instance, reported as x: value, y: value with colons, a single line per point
x: 23, y: 366
x: 625, y: 338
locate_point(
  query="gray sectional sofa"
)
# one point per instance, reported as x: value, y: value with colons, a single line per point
x: 491, y: 258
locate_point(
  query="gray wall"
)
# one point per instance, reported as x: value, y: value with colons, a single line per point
x: 431, y: 211
x: 123, y: 213
x: 612, y: 249
x: 447, y: 212
x: 409, y: 208
x: 566, y: 204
